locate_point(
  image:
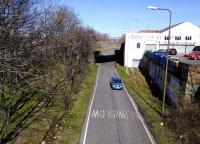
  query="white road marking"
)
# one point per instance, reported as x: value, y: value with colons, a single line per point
x: 122, y: 114
x: 111, y: 114
x: 137, y: 111
x: 98, y: 114
x: 88, y: 118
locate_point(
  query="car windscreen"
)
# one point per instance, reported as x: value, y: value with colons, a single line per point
x: 117, y: 81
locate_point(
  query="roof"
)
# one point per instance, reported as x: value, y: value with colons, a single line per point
x: 161, y: 31
x: 167, y: 28
x: 149, y: 31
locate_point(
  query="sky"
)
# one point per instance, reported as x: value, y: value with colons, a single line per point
x: 116, y: 17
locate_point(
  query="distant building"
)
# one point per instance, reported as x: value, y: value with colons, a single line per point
x: 184, y: 36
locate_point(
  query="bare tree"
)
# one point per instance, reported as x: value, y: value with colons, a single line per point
x: 32, y: 43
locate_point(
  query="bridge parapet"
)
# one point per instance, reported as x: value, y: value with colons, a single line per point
x: 103, y: 46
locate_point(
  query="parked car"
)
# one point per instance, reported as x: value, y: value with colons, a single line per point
x: 195, y: 49
x: 116, y: 83
x: 172, y: 51
x: 195, y: 55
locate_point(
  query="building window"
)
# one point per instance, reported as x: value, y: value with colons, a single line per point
x: 177, y: 37
x: 166, y: 38
x: 188, y: 38
x: 138, y: 45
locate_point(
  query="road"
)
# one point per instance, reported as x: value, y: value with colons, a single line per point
x: 112, y: 117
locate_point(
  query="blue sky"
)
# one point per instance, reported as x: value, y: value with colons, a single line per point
x: 117, y: 16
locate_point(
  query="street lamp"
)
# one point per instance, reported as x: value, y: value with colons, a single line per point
x: 168, y: 44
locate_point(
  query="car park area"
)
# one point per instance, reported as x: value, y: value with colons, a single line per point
x: 183, y: 74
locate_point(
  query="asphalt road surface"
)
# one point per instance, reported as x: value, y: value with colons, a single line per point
x: 112, y: 117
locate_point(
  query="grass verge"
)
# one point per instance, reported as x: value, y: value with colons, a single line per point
x: 149, y: 105
x: 70, y: 130
x: 54, y: 124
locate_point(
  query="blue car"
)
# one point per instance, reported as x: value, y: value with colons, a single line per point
x: 116, y: 83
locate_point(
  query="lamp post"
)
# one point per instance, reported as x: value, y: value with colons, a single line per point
x: 167, y: 60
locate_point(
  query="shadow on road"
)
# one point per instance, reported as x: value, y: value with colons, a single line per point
x: 105, y: 58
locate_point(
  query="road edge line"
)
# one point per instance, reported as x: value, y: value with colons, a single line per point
x: 137, y: 111
x: 91, y: 103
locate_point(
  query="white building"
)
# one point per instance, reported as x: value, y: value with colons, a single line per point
x: 184, y: 36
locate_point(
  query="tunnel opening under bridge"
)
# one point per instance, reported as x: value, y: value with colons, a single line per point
x: 110, y: 55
